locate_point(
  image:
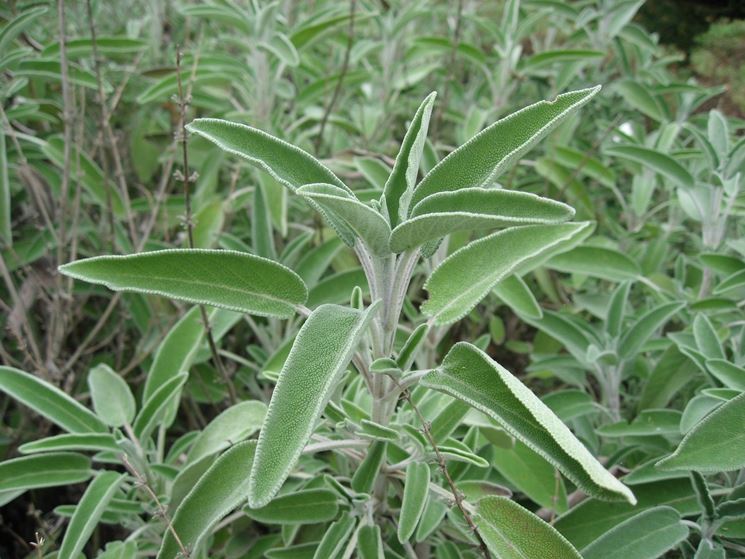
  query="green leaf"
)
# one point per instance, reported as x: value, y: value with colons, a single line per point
x: 727, y: 373
x: 367, y: 224
x: 512, y: 532
x: 399, y: 187
x: 617, y: 309
x: 369, y: 543
x: 660, y: 163
x: 640, y: 98
x: 643, y: 328
x: 706, y: 338
x: 319, y: 355
x: 335, y: 538
x: 648, y: 535
x: 236, y: 423
x: 15, y: 26
x: 112, y: 399
x: 220, y: 490
x: 715, y: 444
x: 467, y: 275
x: 733, y: 281
x: 6, y: 235
x: 416, y: 489
x: 473, y: 209
x: 222, y: 278
x: 49, y: 401
x: 72, y: 441
x: 88, y: 512
x: 516, y: 294
x: 365, y: 475
x: 44, y: 470
x: 307, y: 506
x: 157, y: 405
x: 564, y: 56
x: 479, y: 162
x: 52, y: 69
x: 470, y: 375
x: 288, y: 164
x: 598, y: 262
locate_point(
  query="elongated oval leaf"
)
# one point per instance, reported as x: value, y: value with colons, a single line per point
x: 400, y: 184
x: 44, y: 470
x: 512, y: 532
x: 231, y: 426
x: 470, y: 375
x: 478, y: 162
x: 369, y: 543
x: 16, y: 25
x: 220, y: 490
x: 112, y: 399
x: 598, y: 262
x: 300, y: 507
x: 49, y: 401
x: 157, y: 405
x: 416, y: 489
x: 72, y: 441
x: 319, y: 355
x: 367, y: 472
x: 515, y: 293
x: 367, y: 224
x: 647, y: 535
x: 335, y: 538
x: 657, y: 161
x: 473, y: 209
x: 640, y: 331
x: 222, y: 278
x: 716, y: 444
x: 467, y: 275
x: 727, y: 373
x: 88, y: 512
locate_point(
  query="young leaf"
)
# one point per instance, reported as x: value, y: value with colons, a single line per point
x: 335, y: 538
x: 515, y: 293
x: 112, y: 399
x: 470, y: 375
x: 44, y: 470
x: 512, y: 532
x: 648, y: 535
x: 156, y: 406
x: 727, y: 373
x: 220, y: 490
x: 467, y: 275
x: 319, y: 355
x: 308, y: 506
x: 716, y: 444
x: 617, y: 309
x: 472, y: 209
x: 367, y: 472
x: 88, y: 512
x: 288, y: 164
x: 662, y: 164
x: 231, y: 426
x: 400, y: 184
x: 479, y: 162
x: 598, y: 262
x: 639, y: 332
x: 367, y: 224
x: 706, y: 338
x: 72, y: 441
x: 369, y: 543
x: 416, y: 489
x: 222, y: 278
x: 49, y: 401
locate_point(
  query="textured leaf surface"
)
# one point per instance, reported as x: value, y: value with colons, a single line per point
x: 647, y: 535
x: 300, y: 507
x: 319, y: 355
x: 231, y: 426
x: 512, y: 532
x: 640, y: 331
x: 479, y: 162
x: 367, y: 224
x: 716, y: 444
x: 515, y: 293
x: 222, y: 278
x: 112, y: 399
x: 472, y: 376
x: 49, y: 401
x: 157, y: 405
x: 473, y: 209
x: 220, y: 490
x: 44, y: 470
x: 72, y: 441
x: 88, y: 512
x: 659, y: 162
x: 597, y: 262
x: 467, y: 275
x: 416, y: 489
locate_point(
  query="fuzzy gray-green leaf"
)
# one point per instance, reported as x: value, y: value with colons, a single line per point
x: 112, y: 399
x: 416, y: 489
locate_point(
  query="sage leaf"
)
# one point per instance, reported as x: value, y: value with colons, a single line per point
x: 365, y: 475
x: 706, y: 338
x: 512, y: 532
x: 367, y: 224
x: 598, y: 262
x: 515, y: 293
x: 641, y: 330
x: 236, y: 423
x: 369, y: 543
x: 72, y: 441
x: 472, y: 376
x: 399, y: 187
x: 727, y: 373
x: 416, y: 489
x: 308, y: 506
x: 319, y: 355
x: 473, y: 209
x: 157, y: 406
x: 335, y: 538
x: 647, y: 535
x: 220, y: 490
x: 222, y: 278
x: 49, y: 401
x: 44, y: 470
x: 659, y: 162
x: 88, y: 512
x: 467, y: 275
x: 479, y: 162
x: 715, y: 444
x: 112, y: 399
